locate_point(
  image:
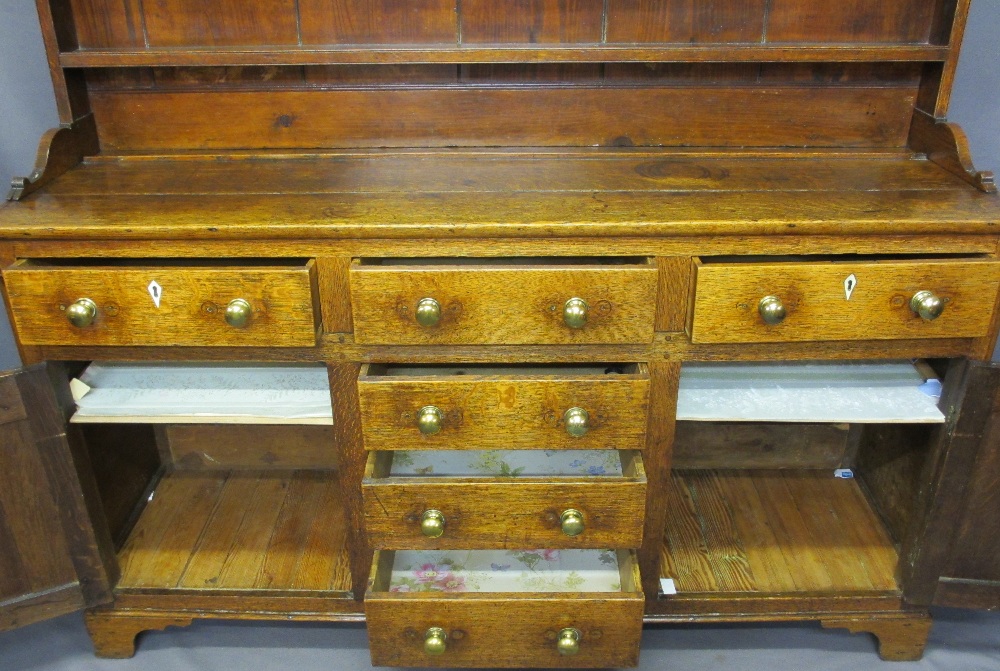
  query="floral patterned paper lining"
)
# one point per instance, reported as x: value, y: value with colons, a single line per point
x: 505, y: 571
x: 506, y: 463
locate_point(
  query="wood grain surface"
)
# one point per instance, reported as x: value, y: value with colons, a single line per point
x: 240, y: 530
x: 508, y: 629
x: 479, y: 303
x: 774, y: 533
x: 485, y: 411
x: 191, y: 310
x: 460, y: 116
x: 513, y: 513
x: 253, y: 447
x: 814, y: 296
x: 733, y: 445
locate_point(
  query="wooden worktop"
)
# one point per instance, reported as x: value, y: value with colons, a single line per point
x: 501, y: 193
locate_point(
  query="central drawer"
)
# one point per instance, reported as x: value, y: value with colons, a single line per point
x: 504, y: 407
x: 534, y: 609
x: 498, y: 499
x: 517, y: 302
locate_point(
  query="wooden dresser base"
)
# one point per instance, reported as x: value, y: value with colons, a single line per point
x: 901, y: 636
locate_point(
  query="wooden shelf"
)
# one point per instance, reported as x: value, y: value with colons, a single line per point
x: 770, y: 532
x: 581, y: 53
x: 240, y: 531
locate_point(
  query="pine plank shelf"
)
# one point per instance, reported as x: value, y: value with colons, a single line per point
x: 281, y: 531
x: 506, y: 53
x: 770, y: 532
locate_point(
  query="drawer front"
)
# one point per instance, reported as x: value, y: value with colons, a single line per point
x: 190, y: 308
x: 842, y: 300
x: 506, y: 513
x: 504, y: 629
x: 482, y: 412
x: 501, y: 305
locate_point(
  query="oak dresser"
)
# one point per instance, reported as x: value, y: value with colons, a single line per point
x: 504, y: 326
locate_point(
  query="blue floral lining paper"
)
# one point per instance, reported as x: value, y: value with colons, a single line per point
x: 505, y: 571
x: 505, y: 463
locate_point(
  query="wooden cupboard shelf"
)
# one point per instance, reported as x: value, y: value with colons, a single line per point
x: 506, y: 53
x: 774, y: 533
x: 240, y: 531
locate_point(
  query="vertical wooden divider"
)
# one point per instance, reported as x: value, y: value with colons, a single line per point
x: 664, y: 378
x: 351, y: 454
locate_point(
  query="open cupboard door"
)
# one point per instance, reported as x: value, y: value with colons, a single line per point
x: 53, y: 558
x: 970, y: 576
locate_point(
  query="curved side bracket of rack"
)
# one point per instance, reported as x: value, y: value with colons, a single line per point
x: 59, y: 150
x: 945, y: 144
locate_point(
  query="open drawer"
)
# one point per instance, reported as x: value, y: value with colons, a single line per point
x: 536, y: 608
x: 504, y: 499
x: 480, y: 407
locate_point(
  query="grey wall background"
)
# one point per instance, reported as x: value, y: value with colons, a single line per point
x: 27, y: 107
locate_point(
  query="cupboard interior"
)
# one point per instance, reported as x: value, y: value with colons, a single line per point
x: 755, y: 508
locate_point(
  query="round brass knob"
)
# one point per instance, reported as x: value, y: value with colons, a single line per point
x: 572, y: 522
x: 771, y: 310
x: 238, y: 313
x: 928, y: 305
x: 82, y: 313
x: 432, y: 523
x: 428, y: 312
x: 434, y: 641
x: 429, y: 420
x: 568, y: 642
x: 577, y: 422
x: 575, y: 313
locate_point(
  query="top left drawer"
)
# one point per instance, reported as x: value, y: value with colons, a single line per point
x: 186, y: 303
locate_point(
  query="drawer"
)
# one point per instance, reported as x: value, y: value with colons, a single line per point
x: 192, y: 303
x: 491, y: 407
x: 504, y: 499
x: 510, y: 609
x: 843, y: 300
x: 523, y: 302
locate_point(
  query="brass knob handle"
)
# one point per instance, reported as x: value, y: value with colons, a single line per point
x: 927, y: 304
x: 82, y: 313
x: 238, y: 313
x: 577, y: 422
x: 429, y: 420
x: 771, y: 310
x: 568, y: 642
x: 575, y: 313
x: 434, y: 641
x: 432, y: 523
x: 572, y: 522
x: 428, y: 312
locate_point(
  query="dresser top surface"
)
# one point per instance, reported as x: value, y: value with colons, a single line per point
x: 501, y: 193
